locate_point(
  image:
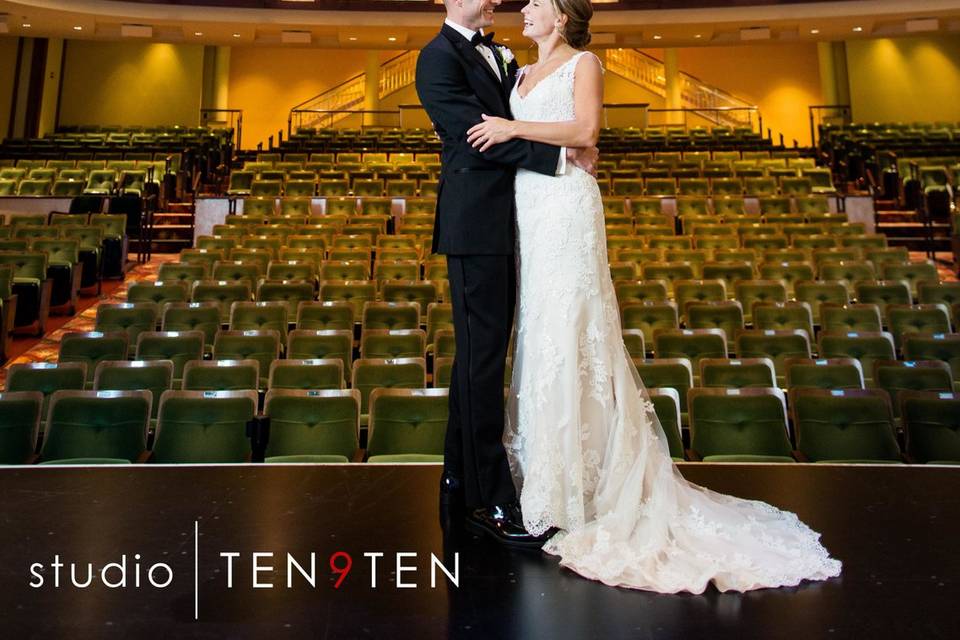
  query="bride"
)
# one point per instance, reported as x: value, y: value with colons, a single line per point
x: 586, y: 450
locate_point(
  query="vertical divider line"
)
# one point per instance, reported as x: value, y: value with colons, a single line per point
x: 196, y: 570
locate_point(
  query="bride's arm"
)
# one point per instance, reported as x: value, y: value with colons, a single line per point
x: 583, y: 131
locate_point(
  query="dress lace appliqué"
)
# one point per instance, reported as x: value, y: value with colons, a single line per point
x: 585, y: 446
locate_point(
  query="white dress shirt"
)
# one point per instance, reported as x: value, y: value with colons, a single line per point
x: 487, y: 54
x: 482, y: 49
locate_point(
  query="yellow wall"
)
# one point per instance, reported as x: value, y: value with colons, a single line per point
x: 905, y: 79
x: 131, y: 83
x: 8, y: 63
x: 266, y: 82
x: 783, y: 79
x: 143, y: 83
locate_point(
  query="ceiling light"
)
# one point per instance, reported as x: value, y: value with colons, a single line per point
x: 858, y: 29
x: 78, y: 28
x: 26, y: 25
x: 352, y: 38
x: 698, y: 36
x: 657, y: 37
x: 506, y: 39
x: 814, y: 31
x: 198, y: 33
x: 236, y: 35
x: 392, y: 39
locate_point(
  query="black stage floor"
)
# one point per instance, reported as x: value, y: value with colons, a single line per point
x: 895, y: 529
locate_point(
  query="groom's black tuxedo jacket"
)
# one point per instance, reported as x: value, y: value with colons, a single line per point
x: 475, y: 207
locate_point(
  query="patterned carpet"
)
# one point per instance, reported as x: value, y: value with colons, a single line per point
x: 46, y: 349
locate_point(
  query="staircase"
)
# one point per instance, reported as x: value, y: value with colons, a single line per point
x: 906, y: 229
x: 395, y: 74
x: 650, y: 74
x: 635, y: 66
x: 173, y: 227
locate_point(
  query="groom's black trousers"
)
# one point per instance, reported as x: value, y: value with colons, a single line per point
x: 483, y: 293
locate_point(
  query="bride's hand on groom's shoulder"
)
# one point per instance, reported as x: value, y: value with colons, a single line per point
x: 491, y: 131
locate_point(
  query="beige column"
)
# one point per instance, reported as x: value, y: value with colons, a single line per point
x: 828, y: 76
x: 47, y: 122
x: 19, y: 106
x: 671, y: 73
x: 834, y: 82
x: 371, y: 89
x: 221, y: 78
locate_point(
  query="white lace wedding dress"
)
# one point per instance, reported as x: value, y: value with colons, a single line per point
x: 585, y: 447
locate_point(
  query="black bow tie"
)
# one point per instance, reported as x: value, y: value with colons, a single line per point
x: 482, y: 38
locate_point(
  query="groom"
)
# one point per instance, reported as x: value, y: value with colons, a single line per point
x: 462, y: 74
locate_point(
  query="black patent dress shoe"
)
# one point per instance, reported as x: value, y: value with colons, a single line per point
x: 504, y: 524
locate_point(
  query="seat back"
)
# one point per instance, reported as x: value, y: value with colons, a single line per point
x: 391, y: 315
x: 97, y: 424
x: 739, y: 422
x: 931, y: 423
x: 824, y: 373
x: 28, y: 266
x: 407, y: 421
x: 19, y: 425
x: 182, y: 272
x: 92, y: 348
x: 124, y: 375
x: 324, y: 373
x: 944, y: 347
x: 307, y: 344
x: 204, y: 426
x: 260, y: 316
x: 865, y: 346
x: 313, y: 422
x: 177, y: 347
x: 405, y: 343
x: 928, y: 319
x: 325, y: 315
x: 850, y: 317
x: 672, y: 373
x: 130, y: 318
x: 160, y: 292
x: 737, y: 373
x: 844, y: 425
x: 898, y: 376
x: 817, y: 292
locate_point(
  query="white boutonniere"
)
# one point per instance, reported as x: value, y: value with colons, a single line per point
x: 507, y: 56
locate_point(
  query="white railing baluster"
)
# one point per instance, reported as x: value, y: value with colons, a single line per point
x: 695, y: 94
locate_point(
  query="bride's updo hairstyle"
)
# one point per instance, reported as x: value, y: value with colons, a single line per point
x: 576, y: 32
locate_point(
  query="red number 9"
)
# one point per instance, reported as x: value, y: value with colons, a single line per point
x: 341, y: 568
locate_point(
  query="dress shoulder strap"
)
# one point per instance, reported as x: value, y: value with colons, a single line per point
x: 577, y: 56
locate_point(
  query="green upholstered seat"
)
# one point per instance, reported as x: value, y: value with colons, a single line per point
x: 204, y: 426
x: 407, y: 425
x: 97, y: 424
x: 844, y: 425
x: 739, y: 425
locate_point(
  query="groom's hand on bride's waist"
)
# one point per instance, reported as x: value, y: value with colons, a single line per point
x: 585, y: 158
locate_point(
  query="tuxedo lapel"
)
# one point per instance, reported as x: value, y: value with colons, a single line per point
x: 476, y: 63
